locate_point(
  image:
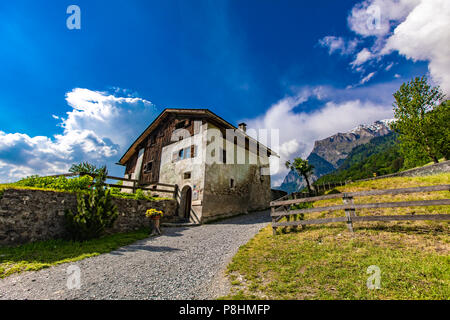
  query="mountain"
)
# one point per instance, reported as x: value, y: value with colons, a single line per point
x: 380, y: 156
x: 329, y: 153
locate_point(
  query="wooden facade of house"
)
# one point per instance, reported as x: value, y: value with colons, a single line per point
x: 153, y: 144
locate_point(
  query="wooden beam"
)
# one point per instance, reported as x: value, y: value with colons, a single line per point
x: 413, y: 217
x: 404, y: 217
x: 310, y: 221
x: 397, y: 204
x: 445, y: 187
x: 118, y: 178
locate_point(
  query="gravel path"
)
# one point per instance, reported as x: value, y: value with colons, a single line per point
x: 183, y: 263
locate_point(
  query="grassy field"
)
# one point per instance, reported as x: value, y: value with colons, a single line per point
x: 328, y: 262
x: 43, y: 254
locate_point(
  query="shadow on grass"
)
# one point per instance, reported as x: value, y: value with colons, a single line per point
x: 42, y: 254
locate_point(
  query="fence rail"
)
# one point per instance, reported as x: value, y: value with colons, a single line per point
x: 281, y: 208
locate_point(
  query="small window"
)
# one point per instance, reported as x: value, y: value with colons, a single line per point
x: 152, y: 141
x: 224, y: 156
x: 148, y: 167
x: 187, y: 175
x: 181, y: 124
x: 187, y: 152
x: 232, y: 183
x: 181, y: 154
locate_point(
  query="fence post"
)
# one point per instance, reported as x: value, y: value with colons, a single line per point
x: 349, y: 212
x: 274, y: 229
x: 288, y: 217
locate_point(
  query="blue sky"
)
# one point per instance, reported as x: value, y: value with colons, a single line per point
x: 244, y: 60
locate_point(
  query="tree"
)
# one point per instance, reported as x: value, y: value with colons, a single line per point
x: 85, y: 168
x: 303, y: 168
x: 440, y: 126
x: 418, y: 119
x: 95, y: 212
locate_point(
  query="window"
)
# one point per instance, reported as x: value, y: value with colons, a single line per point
x: 148, y: 166
x: 232, y: 185
x: 186, y: 153
x: 182, y: 124
x: 187, y: 175
x: 152, y: 141
x: 224, y: 156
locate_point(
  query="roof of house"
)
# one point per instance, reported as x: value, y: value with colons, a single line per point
x: 203, y: 112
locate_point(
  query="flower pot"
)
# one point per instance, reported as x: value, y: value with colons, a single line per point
x: 155, y: 225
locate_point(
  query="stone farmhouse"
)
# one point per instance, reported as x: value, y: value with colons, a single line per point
x: 218, y: 169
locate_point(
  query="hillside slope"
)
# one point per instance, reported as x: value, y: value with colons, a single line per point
x: 328, y: 262
x: 381, y: 156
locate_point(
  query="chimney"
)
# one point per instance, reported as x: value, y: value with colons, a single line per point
x: 242, y: 126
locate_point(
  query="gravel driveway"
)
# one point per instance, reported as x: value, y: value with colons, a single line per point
x: 183, y: 263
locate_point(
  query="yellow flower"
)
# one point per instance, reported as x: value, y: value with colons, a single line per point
x: 153, y: 212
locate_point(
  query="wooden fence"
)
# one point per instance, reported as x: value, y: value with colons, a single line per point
x: 281, y: 208
x: 317, y: 190
x: 154, y: 187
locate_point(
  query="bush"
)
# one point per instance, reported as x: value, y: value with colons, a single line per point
x: 96, y: 212
x: 58, y: 183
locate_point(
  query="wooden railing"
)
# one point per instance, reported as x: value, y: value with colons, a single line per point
x: 154, y: 186
x: 281, y: 208
x: 316, y: 190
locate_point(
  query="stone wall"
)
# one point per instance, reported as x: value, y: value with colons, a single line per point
x: 33, y: 215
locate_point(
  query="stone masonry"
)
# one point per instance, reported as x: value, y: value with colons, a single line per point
x: 33, y: 215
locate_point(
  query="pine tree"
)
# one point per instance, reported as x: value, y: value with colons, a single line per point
x: 95, y: 212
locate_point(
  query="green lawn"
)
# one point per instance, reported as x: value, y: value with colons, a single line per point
x: 328, y: 262
x: 42, y: 254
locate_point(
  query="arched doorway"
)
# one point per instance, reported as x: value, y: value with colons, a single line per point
x: 185, y: 203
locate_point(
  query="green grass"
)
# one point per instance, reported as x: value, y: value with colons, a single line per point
x: 328, y: 262
x: 43, y: 254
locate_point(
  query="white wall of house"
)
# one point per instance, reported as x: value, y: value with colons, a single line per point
x: 236, y: 186
x: 185, y: 172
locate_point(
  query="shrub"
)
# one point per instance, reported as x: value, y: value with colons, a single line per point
x: 58, y: 183
x: 96, y: 212
x: 140, y: 195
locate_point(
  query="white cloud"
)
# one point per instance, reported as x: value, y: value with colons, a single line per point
x: 425, y: 35
x: 339, y: 45
x: 375, y: 17
x: 98, y: 129
x: 397, y: 76
x: 367, y: 78
x: 389, y: 66
x: 416, y: 29
x: 299, y: 130
x: 362, y: 56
